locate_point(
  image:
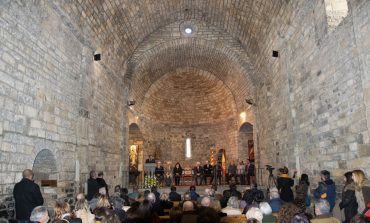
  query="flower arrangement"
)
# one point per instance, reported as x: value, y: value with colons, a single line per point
x: 149, y: 181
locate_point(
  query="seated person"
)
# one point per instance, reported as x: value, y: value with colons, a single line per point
x: 174, y: 196
x: 322, y: 212
x: 159, y: 173
x: 232, y: 207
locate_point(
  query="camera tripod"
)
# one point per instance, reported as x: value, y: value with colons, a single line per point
x: 271, y: 182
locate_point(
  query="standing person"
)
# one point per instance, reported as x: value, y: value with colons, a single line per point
x: 362, y: 189
x: 177, y: 173
x: 150, y: 159
x: 247, y: 164
x: 102, y: 182
x: 231, y: 172
x: 159, y: 172
x: 27, y: 196
x: 198, y: 174
x: 207, y: 171
x: 348, y: 202
x: 302, y: 188
x: 92, y: 186
x: 217, y: 170
x: 241, y: 172
x: 284, y: 185
x: 326, y: 189
x: 252, y: 173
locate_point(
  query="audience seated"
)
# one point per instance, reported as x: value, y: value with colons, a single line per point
x: 193, y: 194
x: 216, y: 205
x: 205, y: 202
x: 188, y: 213
x: 275, y: 201
x: 174, y: 196
x: 62, y: 213
x: 105, y: 215
x: 155, y: 204
x: 103, y: 202
x: 39, y: 214
x: 164, y: 202
x: 117, y: 205
x: 267, y: 213
x: 322, y: 212
x: 287, y: 213
x: 232, y: 207
x: 208, y: 215
x: 82, y: 210
x: 254, y: 213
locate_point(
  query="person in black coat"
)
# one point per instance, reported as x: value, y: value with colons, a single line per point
x: 198, y: 174
x: 174, y: 196
x: 177, y: 173
x: 349, y: 202
x: 284, y: 185
x: 102, y: 182
x: 27, y: 196
x: 92, y: 186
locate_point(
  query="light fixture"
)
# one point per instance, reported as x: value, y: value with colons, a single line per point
x: 188, y: 30
x: 250, y: 101
x: 97, y: 57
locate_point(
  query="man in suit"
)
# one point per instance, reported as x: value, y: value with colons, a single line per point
x: 27, y: 196
x: 198, y: 174
x: 150, y: 159
x: 207, y: 171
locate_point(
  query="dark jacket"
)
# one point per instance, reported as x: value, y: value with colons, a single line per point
x: 102, y: 183
x: 207, y: 169
x: 71, y: 220
x: 27, y: 196
x: 177, y: 171
x: 174, y: 196
x: 250, y: 169
x: 284, y: 185
x: 92, y: 188
x: 329, y: 188
x: 349, y: 202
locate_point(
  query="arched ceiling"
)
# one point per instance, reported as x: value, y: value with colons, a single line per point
x: 143, y: 40
x: 188, y: 96
x: 118, y: 27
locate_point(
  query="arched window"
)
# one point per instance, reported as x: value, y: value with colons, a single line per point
x: 188, y: 148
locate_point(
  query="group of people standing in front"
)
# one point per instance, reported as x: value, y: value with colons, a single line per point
x: 242, y: 173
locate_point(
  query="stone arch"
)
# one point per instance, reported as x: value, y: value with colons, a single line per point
x: 45, y: 166
x: 246, y: 142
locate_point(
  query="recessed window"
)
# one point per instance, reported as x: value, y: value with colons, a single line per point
x: 188, y: 30
x: 188, y: 148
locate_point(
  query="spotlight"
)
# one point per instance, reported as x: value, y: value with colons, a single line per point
x: 131, y: 103
x: 97, y: 57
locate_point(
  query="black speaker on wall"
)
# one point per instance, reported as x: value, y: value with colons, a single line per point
x: 275, y: 53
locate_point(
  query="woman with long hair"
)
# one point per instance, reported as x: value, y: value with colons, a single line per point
x: 177, y: 172
x: 63, y: 214
x: 302, y: 190
x: 362, y: 189
x: 348, y: 202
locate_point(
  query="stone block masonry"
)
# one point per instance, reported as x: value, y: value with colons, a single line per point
x: 41, y: 64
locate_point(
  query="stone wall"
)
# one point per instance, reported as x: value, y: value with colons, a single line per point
x: 53, y: 96
x: 313, y: 104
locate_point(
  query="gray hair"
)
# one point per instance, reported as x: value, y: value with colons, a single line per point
x: 38, y: 213
x: 151, y: 197
x: 205, y: 202
x: 255, y: 213
x: 233, y: 202
x: 265, y: 208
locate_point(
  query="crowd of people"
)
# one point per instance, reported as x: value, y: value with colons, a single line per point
x: 239, y: 173
x: 285, y: 203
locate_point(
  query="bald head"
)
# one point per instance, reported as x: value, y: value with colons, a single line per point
x: 27, y: 173
x: 188, y: 206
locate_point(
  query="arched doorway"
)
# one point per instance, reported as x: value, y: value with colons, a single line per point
x: 135, y: 152
x: 44, y: 166
x: 246, y: 143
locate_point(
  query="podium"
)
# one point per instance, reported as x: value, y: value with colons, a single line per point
x: 149, y: 168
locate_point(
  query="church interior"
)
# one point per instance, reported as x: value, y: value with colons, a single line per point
x: 101, y: 85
